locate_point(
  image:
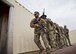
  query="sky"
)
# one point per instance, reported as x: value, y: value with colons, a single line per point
x: 63, y: 12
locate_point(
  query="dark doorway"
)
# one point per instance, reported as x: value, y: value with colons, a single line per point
x: 4, y: 13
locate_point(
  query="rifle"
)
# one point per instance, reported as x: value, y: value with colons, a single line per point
x: 42, y: 27
x: 43, y: 15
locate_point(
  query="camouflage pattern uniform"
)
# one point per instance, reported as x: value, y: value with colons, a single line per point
x: 58, y: 37
x: 66, y: 33
x: 63, y: 38
x: 50, y: 32
x: 51, y: 36
x: 39, y: 32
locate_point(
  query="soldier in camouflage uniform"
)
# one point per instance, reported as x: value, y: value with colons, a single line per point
x: 63, y: 39
x: 52, y: 36
x: 66, y: 33
x: 58, y: 37
x: 50, y: 32
x: 38, y: 31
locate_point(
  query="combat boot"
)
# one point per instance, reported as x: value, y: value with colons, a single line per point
x: 41, y: 50
x: 48, y: 51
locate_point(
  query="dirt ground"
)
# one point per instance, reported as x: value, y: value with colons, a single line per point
x: 66, y: 50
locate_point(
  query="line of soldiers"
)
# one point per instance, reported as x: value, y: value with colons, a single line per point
x: 53, y: 36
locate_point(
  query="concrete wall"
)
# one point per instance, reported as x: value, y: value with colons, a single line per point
x: 73, y: 36
x: 22, y: 33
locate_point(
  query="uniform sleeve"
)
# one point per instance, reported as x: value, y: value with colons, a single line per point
x: 32, y: 23
x: 44, y: 23
x: 49, y: 21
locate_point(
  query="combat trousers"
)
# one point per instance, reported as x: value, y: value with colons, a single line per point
x: 67, y: 37
x: 64, y: 41
x: 52, y: 40
x: 44, y: 39
x: 58, y: 41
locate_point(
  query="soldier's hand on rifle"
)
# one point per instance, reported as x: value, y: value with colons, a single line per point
x: 45, y: 29
x: 36, y: 25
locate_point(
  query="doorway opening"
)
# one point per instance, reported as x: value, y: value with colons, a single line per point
x: 4, y: 14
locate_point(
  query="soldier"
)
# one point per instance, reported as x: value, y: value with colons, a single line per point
x: 66, y: 33
x: 50, y: 32
x: 63, y: 38
x: 58, y: 37
x: 39, y: 26
x: 52, y: 36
